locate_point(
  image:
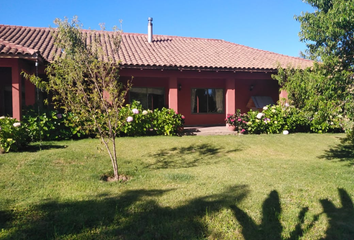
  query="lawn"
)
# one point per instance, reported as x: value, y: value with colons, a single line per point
x: 298, y: 186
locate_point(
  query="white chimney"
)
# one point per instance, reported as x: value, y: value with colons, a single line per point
x: 150, y: 30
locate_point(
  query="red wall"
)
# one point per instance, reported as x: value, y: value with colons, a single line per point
x: 262, y: 83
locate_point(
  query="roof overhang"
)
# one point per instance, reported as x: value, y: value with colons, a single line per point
x: 199, y: 69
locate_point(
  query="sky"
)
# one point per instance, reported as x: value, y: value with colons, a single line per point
x: 263, y: 24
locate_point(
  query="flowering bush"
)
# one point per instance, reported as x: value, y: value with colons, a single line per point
x: 238, y: 120
x: 142, y: 122
x: 51, y: 125
x: 13, y: 135
x: 279, y: 118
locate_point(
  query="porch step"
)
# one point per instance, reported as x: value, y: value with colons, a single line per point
x: 207, y: 130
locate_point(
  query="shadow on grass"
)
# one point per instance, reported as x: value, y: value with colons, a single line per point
x: 340, y: 220
x: 342, y: 152
x: 134, y: 214
x: 44, y: 146
x: 185, y: 157
x: 270, y: 227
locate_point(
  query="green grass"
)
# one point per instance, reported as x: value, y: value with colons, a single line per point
x: 299, y: 186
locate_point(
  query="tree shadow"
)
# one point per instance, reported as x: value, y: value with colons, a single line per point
x: 342, y: 152
x: 135, y: 214
x: 340, y: 219
x: 270, y: 226
x: 36, y: 147
x: 185, y: 157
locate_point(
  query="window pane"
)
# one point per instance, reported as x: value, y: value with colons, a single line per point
x: 207, y: 100
x: 156, y: 98
x: 139, y: 94
x: 200, y: 101
x: 219, y: 98
x: 150, y: 98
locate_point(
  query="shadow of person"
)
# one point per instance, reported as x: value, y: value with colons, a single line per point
x: 340, y: 219
x: 270, y: 227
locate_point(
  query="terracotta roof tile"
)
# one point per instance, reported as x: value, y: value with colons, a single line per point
x: 9, y: 48
x: 163, y: 51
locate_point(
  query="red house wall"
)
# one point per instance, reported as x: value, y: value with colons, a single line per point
x: 240, y: 83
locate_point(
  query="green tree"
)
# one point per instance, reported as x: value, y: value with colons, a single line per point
x: 84, y: 81
x: 329, y: 31
x: 326, y: 89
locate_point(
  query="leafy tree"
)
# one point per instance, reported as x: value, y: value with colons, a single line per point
x: 329, y: 31
x: 84, y: 81
x: 327, y: 88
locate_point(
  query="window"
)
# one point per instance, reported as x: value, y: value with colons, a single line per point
x: 207, y: 100
x: 150, y: 98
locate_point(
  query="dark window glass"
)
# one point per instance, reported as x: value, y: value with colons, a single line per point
x: 207, y: 100
x: 150, y: 98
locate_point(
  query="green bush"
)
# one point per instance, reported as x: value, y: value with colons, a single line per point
x: 142, y: 122
x: 277, y: 118
x: 13, y: 135
x: 51, y: 125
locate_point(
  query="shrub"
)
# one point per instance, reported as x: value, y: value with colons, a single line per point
x: 13, y: 135
x: 238, y: 120
x: 51, y: 125
x: 277, y: 118
x: 142, y: 122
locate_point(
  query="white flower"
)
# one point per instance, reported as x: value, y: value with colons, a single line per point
x: 2, y: 117
x: 17, y: 124
x: 265, y: 108
x: 260, y: 115
x: 135, y: 111
x: 285, y: 132
x: 145, y: 112
x: 129, y: 119
x: 287, y: 105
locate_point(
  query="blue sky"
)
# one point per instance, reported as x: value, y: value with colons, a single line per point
x: 267, y: 25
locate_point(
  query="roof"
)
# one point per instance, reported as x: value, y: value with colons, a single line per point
x: 163, y: 52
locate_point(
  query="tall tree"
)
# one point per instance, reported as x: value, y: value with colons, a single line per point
x: 329, y: 32
x: 84, y: 80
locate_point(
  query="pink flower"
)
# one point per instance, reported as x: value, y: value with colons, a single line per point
x: 243, y: 130
x: 232, y: 120
x: 183, y: 117
x: 135, y: 111
x: 129, y: 119
x: 239, y: 119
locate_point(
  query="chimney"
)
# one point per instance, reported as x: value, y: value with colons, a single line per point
x: 150, y: 30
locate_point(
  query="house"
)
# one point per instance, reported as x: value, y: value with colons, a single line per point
x: 204, y: 79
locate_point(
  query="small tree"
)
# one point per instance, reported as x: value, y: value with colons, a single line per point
x: 84, y: 81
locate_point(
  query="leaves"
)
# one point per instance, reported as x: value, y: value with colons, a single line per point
x: 84, y: 80
x: 329, y: 31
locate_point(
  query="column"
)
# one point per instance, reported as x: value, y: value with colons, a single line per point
x: 16, y: 91
x: 230, y: 107
x: 173, y: 94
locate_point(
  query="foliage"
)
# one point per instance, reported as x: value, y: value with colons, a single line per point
x: 147, y: 122
x: 13, y: 135
x: 52, y: 125
x: 84, y: 81
x: 324, y: 94
x: 320, y: 89
x: 238, y: 120
x: 329, y: 31
x: 277, y: 118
